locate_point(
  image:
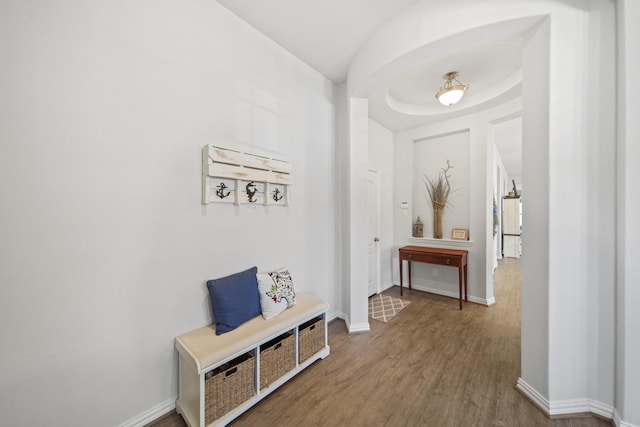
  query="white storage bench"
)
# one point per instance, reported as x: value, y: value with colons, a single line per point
x: 221, y: 376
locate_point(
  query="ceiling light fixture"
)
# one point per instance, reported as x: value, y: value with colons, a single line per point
x: 450, y: 93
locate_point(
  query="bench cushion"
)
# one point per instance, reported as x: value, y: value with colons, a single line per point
x: 206, y: 348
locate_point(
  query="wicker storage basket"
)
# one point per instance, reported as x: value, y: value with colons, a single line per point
x: 277, y: 357
x: 310, y: 338
x: 228, y: 386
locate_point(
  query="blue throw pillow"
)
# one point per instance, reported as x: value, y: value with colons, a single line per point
x: 234, y: 299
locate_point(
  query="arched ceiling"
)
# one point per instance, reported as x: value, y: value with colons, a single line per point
x: 327, y: 35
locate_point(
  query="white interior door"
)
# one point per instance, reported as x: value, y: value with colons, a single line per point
x: 373, y: 215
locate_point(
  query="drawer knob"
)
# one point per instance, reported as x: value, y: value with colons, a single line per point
x: 447, y: 261
x: 410, y: 256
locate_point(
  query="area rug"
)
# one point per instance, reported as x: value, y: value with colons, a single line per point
x: 382, y: 307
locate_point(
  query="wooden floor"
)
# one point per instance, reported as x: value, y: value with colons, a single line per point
x: 431, y: 365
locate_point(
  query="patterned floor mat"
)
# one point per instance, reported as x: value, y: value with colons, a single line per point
x: 383, y: 307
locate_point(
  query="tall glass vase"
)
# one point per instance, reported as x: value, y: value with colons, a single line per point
x: 438, y: 212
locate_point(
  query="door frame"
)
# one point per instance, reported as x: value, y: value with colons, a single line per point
x: 378, y: 270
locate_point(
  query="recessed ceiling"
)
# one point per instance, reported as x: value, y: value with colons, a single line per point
x: 489, y: 70
x: 493, y: 72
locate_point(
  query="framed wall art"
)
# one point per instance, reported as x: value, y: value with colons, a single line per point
x: 459, y: 234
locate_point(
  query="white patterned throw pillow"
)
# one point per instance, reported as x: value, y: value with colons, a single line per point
x: 276, y: 292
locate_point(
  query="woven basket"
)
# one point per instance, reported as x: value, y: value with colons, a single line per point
x: 277, y: 357
x: 311, y: 338
x: 228, y: 386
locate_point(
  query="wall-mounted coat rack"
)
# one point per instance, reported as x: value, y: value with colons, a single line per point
x: 230, y: 175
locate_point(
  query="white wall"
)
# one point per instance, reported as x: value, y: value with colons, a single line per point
x: 506, y: 136
x: 430, y: 157
x: 499, y: 191
x: 381, y: 152
x: 508, y: 139
x: 105, y: 246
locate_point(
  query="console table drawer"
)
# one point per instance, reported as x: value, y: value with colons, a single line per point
x: 433, y: 259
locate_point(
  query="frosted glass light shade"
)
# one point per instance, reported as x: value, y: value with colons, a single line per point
x: 451, y: 95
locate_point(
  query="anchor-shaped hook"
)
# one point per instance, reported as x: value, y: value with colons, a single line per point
x: 277, y: 195
x: 251, y: 191
x: 220, y: 191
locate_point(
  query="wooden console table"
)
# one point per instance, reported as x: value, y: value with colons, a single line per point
x: 450, y: 257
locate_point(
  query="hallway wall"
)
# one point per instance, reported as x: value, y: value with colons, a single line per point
x: 105, y: 246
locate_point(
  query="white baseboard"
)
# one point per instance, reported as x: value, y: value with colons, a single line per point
x: 151, y: 414
x: 352, y: 327
x: 618, y: 420
x: 570, y: 406
x: 601, y: 409
x: 388, y: 287
x: 455, y: 295
x: 578, y: 406
x: 358, y: 327
x: 536, y: 398
x: 336, y: 315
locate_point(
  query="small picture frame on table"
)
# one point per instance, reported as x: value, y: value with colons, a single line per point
x: 459, y: 234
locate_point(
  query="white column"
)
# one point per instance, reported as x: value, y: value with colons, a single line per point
x: 534, y: 377
x: 628, y: 247
x: 358, y: 164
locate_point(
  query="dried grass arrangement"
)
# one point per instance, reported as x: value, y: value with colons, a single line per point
x: 438, y: 189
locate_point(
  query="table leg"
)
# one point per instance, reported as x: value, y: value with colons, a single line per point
x: 466, y: 282
x: 400, y: 276
x: 409, y: 262
x: 460, y: 285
